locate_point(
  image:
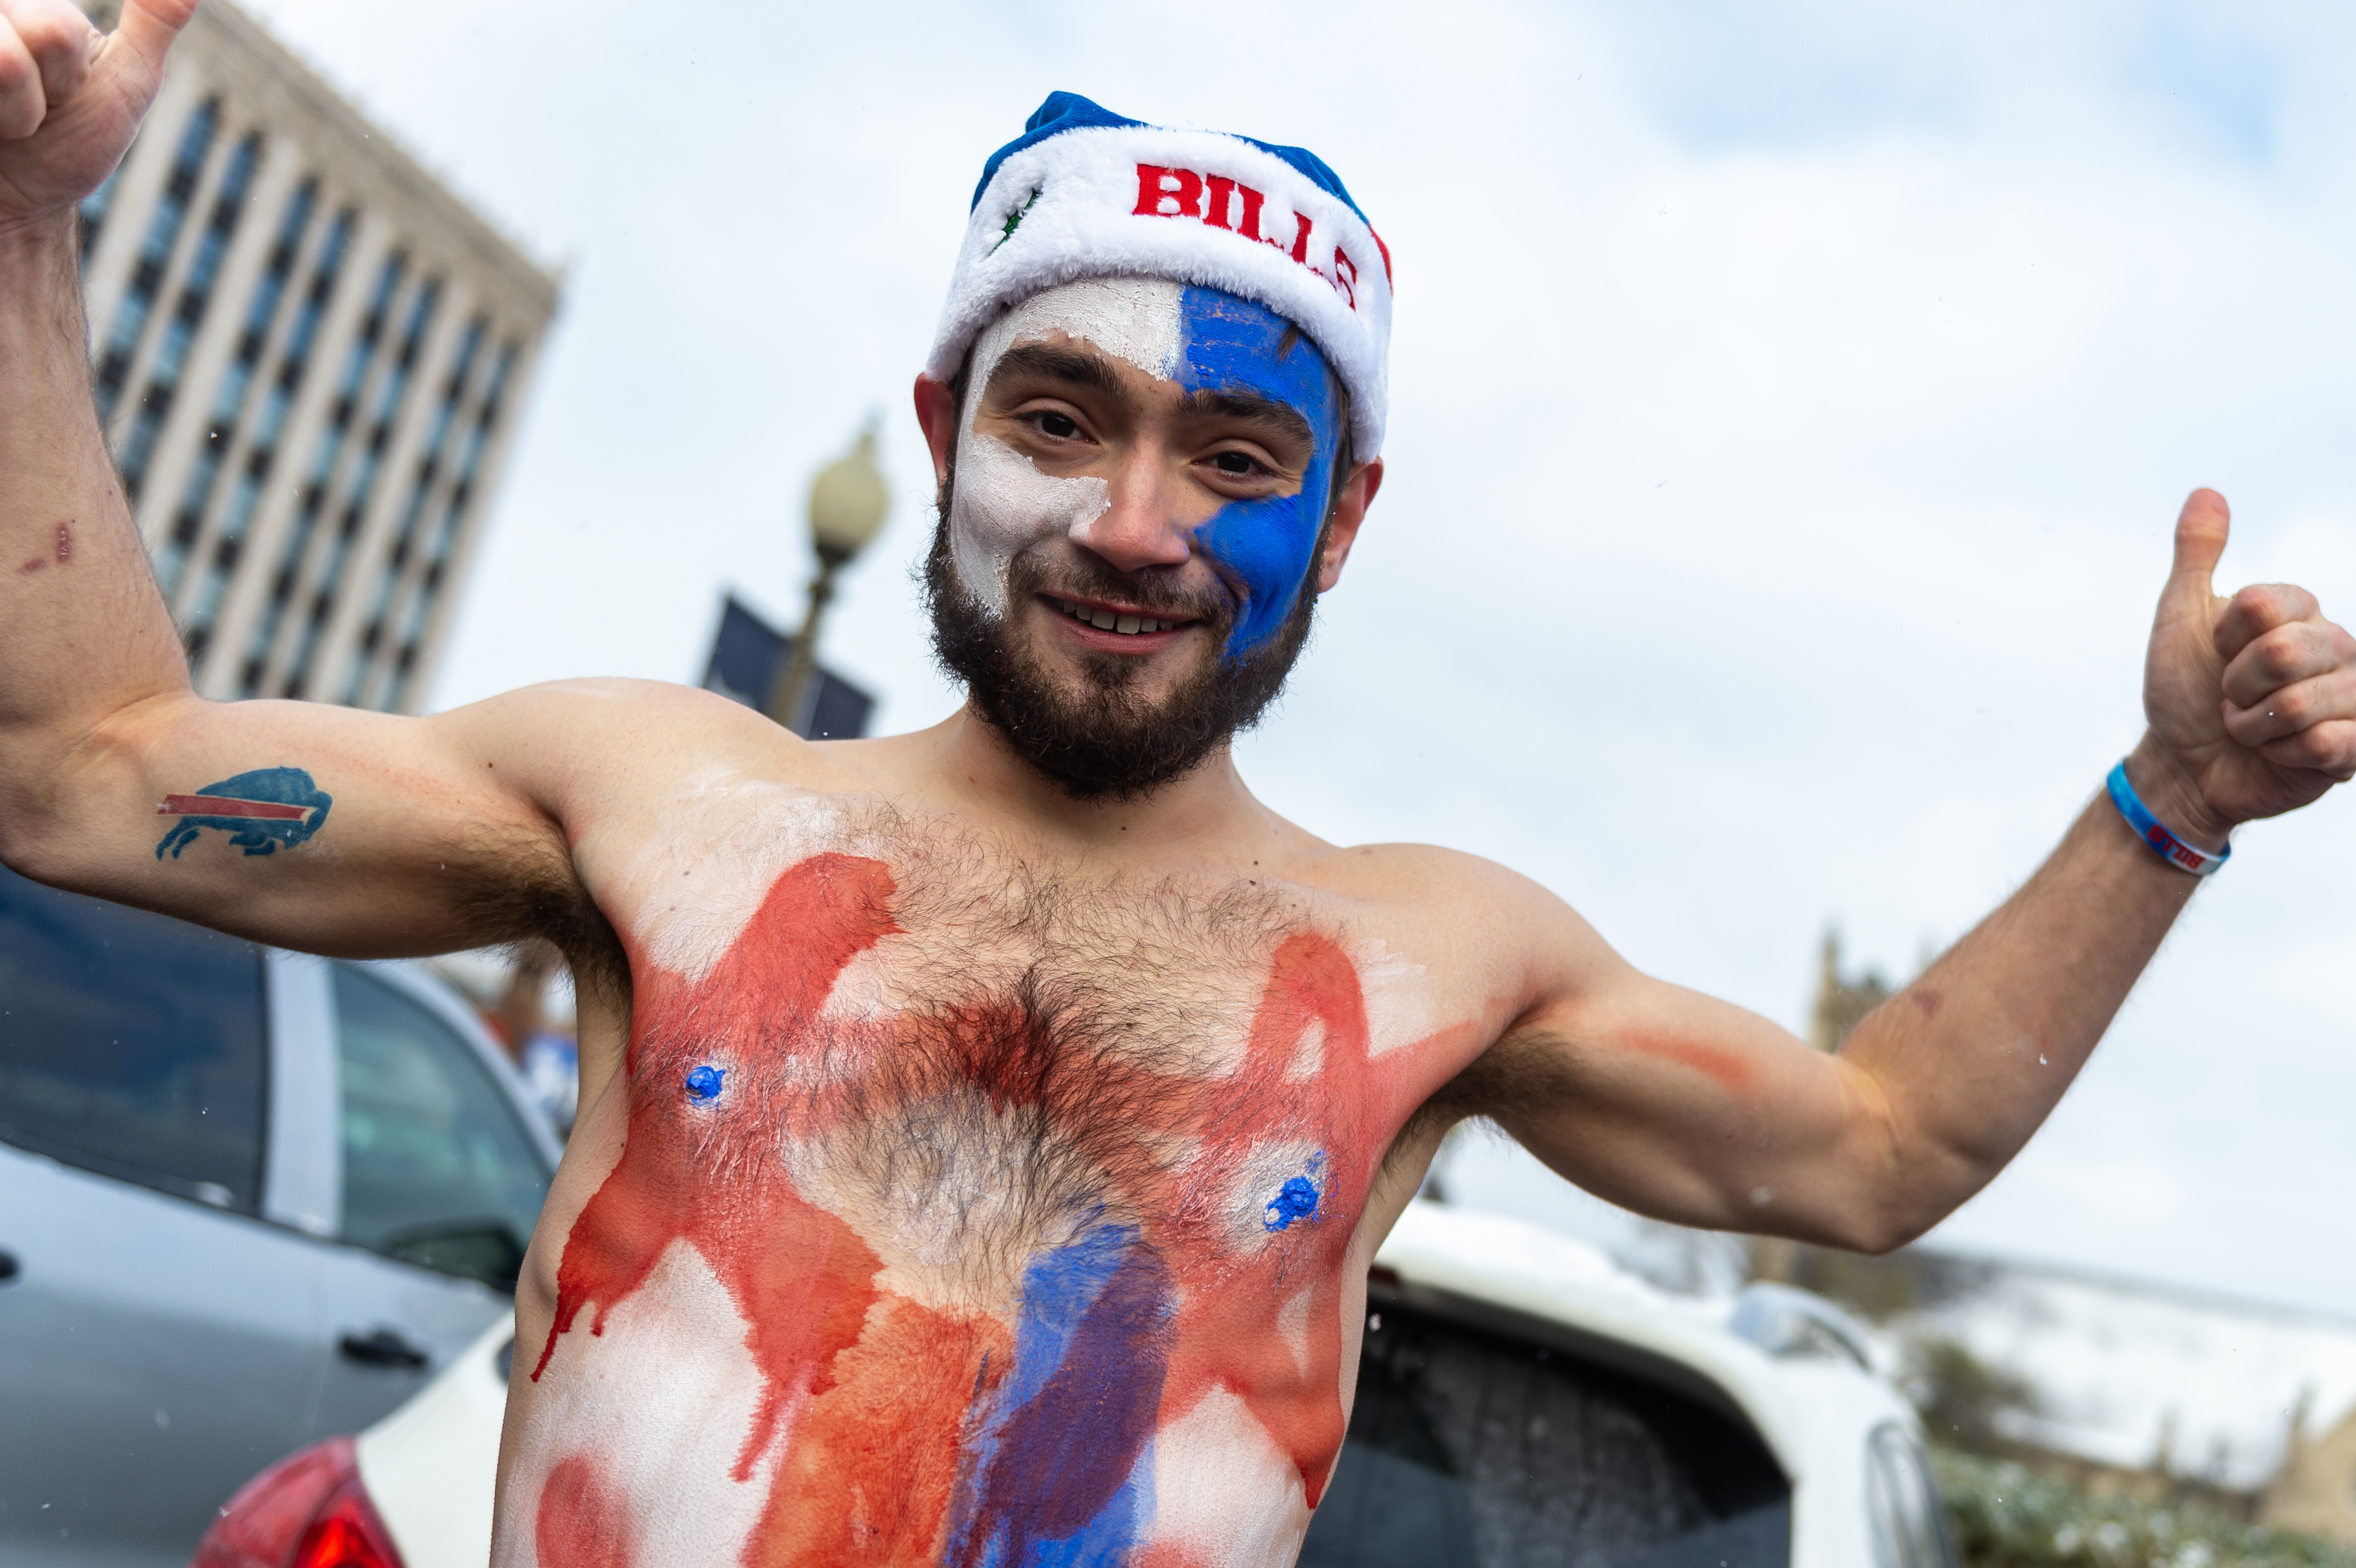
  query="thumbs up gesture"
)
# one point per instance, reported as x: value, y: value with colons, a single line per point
x: 70, y: 97
x: 2251, y: 699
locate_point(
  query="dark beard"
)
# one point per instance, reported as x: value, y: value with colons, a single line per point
x: 1106, y: 741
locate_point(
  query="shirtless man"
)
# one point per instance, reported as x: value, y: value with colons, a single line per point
x: 985, y: 1131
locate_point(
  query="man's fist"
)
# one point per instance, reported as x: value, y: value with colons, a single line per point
x: 70, y: 98
x: 2251, y: 699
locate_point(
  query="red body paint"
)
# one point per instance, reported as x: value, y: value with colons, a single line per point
x: 225, y: 806
x: 1732, y: 1070
x: 580, y: 1521
x: 885, y: 1396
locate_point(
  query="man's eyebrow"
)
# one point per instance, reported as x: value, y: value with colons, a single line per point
x: 1074, y: 366
x: 1087, y: 368
x: 1205, y: 403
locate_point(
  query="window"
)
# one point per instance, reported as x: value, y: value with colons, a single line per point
x: 294, y: 362
x: 131, y: 1045
x: 313, y: 494
x: 1468, y: 1446
x: 188, y: 315
x: 420, y: 489
x: 437, y: 1169
x: 237, y: 380
x: 155, y: 255
x: 1908, y: 1521
x: 392, y: 394
x: 421, y: 609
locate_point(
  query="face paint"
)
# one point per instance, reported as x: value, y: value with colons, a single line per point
x: 1202, y: 340
x: 1003, y: 503
x: 1265, y: 546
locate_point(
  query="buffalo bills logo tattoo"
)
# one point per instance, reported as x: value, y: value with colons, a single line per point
x: 259, y: 811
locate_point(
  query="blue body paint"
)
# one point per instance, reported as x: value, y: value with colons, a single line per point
x: 1055, y: 1481
x: 704, y: 1083
x: 1297, y: 1199
x: 1229, y: 344
x: 259, y: 811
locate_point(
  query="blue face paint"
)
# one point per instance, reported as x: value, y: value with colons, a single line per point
x: 704, y: 1083
x: 1229, y: 344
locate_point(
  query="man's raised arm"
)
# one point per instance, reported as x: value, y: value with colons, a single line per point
x: 307, y: 826
x: 1695, y: 1111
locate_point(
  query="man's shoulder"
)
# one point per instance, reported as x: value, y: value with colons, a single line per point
x: 609, y: 728
x: 1421, y: 878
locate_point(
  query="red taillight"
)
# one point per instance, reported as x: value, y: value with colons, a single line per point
x: 308, y: 1510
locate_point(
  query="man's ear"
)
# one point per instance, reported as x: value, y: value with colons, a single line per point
x: 937, y: 413
x: 1349, y: 513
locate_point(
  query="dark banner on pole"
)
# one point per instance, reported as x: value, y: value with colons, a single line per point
x: 749, y: 655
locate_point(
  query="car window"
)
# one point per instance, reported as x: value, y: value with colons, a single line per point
x: 437, y: 1170
x: 1908, y: 1528
x: 1468, y: 1446
x: 132, y: 1045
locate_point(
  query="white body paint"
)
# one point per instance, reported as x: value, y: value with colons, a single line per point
x: 664, y: 1398
x: 1223, y: 1492
x: 1003, y: 505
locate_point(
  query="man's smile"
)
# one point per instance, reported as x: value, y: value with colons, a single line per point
x: 1122, y: 628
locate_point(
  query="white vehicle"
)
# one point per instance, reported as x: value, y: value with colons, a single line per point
x: 1521, y: 1401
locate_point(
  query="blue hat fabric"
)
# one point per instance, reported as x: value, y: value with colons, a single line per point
x: 1086, y: 193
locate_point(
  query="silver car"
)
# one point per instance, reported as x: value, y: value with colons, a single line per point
x: 248, y: 1198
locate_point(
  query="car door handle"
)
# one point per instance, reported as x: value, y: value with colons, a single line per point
x: 382, y: 1348
x: 9, y: 1268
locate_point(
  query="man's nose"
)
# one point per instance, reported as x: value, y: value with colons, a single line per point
x: 1142, y: 527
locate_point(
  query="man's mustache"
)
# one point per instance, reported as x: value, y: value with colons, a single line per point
x: 1165, y: 599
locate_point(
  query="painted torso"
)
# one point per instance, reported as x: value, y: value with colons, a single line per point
x: 954, y: 1209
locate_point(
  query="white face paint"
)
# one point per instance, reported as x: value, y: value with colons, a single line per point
x: 1003, y: 505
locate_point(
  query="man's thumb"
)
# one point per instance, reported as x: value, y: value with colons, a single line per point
x: 2200, y: 531
x: 147, y: 27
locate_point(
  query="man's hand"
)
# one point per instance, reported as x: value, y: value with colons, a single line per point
x: 70, y: 97
x: 2251, y: 699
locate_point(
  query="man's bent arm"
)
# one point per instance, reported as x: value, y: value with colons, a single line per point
x: 1696, y: 1111
x: 304, y: 825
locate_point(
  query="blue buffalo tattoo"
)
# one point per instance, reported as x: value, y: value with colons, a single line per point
x: 259, y: 811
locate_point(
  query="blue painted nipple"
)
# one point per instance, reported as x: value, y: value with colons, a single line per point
x: 1296, y: 1200
x: 704, y: 1083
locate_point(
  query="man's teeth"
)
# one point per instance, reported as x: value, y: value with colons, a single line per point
x: 1128, y: 625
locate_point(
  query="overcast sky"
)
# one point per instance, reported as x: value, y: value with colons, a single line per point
x: 1791, y: 405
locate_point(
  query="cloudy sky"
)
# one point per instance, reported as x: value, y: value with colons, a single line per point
x: 1792, y: 402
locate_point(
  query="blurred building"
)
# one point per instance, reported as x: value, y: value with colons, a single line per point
x: 1842, y: 1001
x: 308, y: 356
x: 748, y: 655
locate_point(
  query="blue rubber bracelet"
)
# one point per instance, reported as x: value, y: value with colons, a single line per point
x: 2172, y: 849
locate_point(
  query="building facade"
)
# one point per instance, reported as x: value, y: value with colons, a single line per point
x: 308, y: 356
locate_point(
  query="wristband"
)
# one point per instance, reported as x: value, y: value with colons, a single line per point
x: 2172, y: 849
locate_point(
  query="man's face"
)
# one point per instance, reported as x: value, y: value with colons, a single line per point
x: 1135, y: 526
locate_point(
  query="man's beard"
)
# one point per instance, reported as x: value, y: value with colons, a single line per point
x: 1104, y: 739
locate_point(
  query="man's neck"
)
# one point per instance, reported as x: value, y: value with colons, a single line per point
x: 964, y: 760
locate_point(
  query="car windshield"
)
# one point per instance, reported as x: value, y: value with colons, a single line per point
x: 1469, y: 1445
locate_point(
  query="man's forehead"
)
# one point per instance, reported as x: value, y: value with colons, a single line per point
x: 1204, y: 339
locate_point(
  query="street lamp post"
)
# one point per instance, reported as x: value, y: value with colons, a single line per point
x: 847, y: 502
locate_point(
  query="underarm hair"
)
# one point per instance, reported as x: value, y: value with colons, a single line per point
x: 541, y: 895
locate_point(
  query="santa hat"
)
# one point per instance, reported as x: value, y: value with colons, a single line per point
x: 1084, y: 193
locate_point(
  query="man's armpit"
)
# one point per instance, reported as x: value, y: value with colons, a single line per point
x: 1528, y: 1072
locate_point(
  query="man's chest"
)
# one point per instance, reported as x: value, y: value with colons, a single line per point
x: 1017, y: 1182
x: 913, y: 1021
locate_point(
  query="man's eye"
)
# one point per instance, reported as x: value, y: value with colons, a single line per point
x: 1236, y: 463
x: 1063, y: 427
